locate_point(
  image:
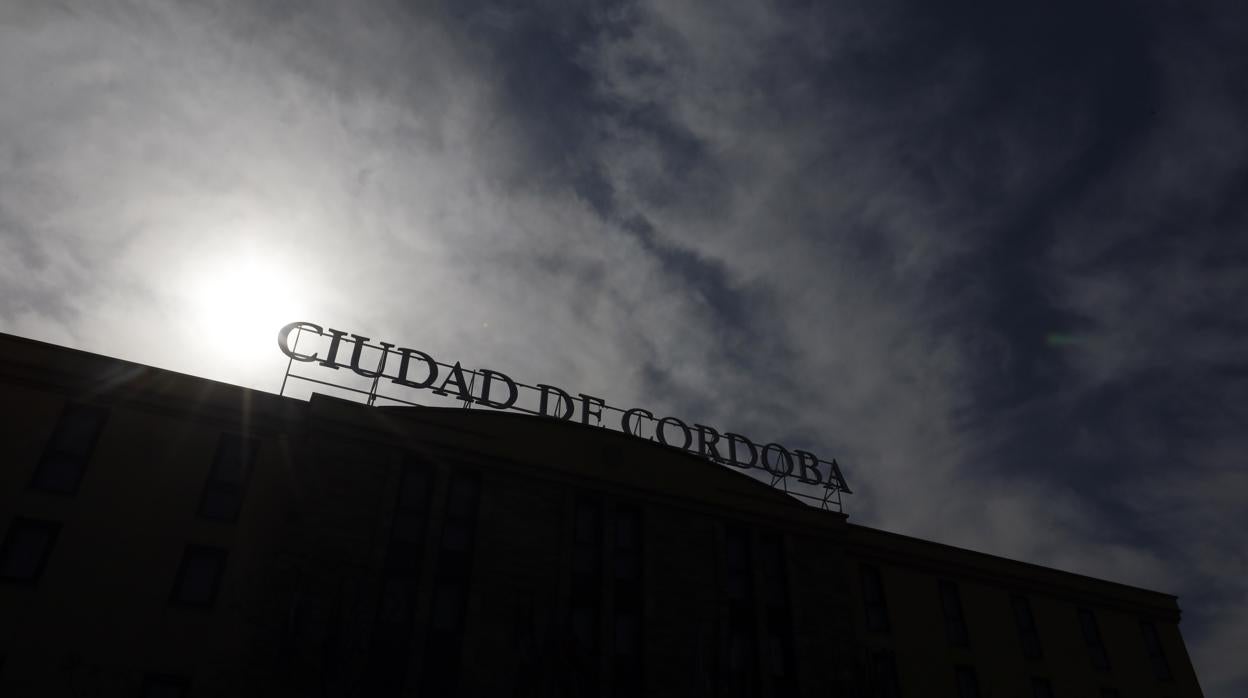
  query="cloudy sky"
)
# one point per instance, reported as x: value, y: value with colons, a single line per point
x: 990, y: 256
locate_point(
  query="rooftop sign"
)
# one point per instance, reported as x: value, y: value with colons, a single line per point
x: 405, y: 369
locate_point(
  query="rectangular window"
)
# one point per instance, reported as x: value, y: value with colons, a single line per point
x: 27, y: 546
x: 606, y: 624
x: 873, y: 599
x: 65, y: 457
x: 410, y: 522
x: 1041, y: 688
x: 780, y: 657
x: 586, y: 591
x: 392, y: 633
x: 967, y: 681
x: 222, y: 499
x: 627, y: 601
x: 884, y: 675
x: 1092, y: 638
x: 164, y: 686
x: 1156, y: 655
x: 1028, y: 635
x: 737, y: 594
x: 444, y: 645
x: 199, y: 576
x: 955, y: 621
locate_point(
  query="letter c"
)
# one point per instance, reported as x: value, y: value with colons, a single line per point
x: 283, y: 340
x: 627, y: 422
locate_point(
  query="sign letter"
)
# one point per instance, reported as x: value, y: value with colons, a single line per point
x: 283, y: 340
x: 359, y: 349
x: 807, y: 463
x: 331, y: 361
x: 684, y: 430
x: 457, y: 374
x: 706, y: 445
x: 562, y: 399
x: 733, y: 440
x: 586, y: 412
x: 836, y: 481
x: 785, y: 458
x: 487, y: 376
x: 627, y: 420
x: 405, y: 355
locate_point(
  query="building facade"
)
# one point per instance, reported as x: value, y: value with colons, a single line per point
x: 165, y: 535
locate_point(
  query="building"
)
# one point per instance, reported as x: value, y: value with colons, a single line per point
x: 165, y: 535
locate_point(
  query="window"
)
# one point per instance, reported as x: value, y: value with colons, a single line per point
x: 1107, y: 692
x: 1041, y: 688
x: 955, y: 622
x: 884, y: 675
x: 27, y: 546
x: 1152, y: 642
x: 781, y: 662
x: 199, y: 576
x: 1092, y: 637
x: 606, y: 598
x: 231, y: 468
x: 162, y: 686
x: 586, y: 591
x: 1028, y: 635
x: 967, y: 681
x: 626, y: 601
x: 873, y: 599
x: 411, y: 518
x: 392, y: 633
x: 65, y: 457
x: 444, y: 645
x: 737, y: 595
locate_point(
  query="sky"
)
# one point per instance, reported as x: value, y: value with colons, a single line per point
x: 991, y: 256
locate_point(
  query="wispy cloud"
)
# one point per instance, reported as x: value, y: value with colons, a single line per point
x: 847, y: 226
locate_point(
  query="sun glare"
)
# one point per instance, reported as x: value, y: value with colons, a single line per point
x: 238, y: 304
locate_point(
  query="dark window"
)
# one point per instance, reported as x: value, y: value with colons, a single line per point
x: 444, y: 645
x: 1107, y: 692
x: 411, y: 519
x: 66, y: 455
x: 1092, y: 638
x: 1028, y: 635
x: 199, y: 576
x: 231, y: 468
x: 27, y: 546
x: 1041, y: 688
x: 775, y: 594
x: 586, y: 592
x: 392, y: 633
x: 162, y: 686
x: 741, y: 675
x: 955, y: 621
x: 873, y: 599
x: 598, y: 639
x: 968, y: 682
x: 626, y: 601
x: 884, y: 675
x: 1152, y: 642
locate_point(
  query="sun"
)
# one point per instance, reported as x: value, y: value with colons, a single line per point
x: 237, y: 303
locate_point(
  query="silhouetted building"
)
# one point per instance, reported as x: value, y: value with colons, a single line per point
x: 166, y: 535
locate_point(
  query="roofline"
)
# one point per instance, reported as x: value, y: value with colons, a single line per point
x: 942, y: 555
